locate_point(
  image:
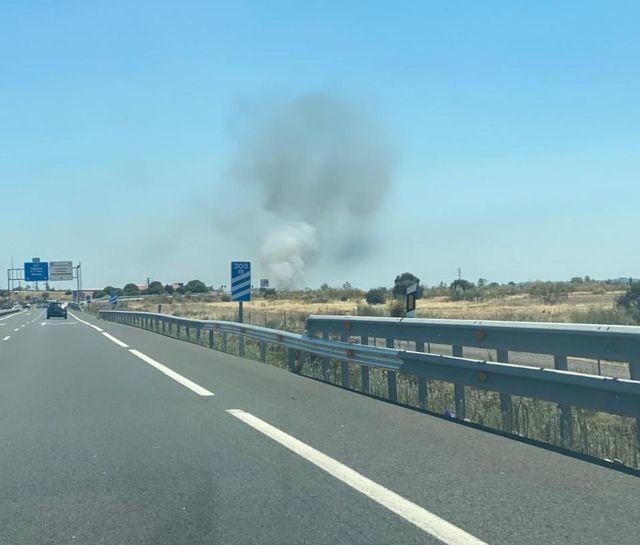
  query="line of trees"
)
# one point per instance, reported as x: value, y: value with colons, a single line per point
x: 154, y: 288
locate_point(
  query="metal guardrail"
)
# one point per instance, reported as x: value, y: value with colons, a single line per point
x: 9, y: 311
x: 567, y: 389
x: 562, y: 341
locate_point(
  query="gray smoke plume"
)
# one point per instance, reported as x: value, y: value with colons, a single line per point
x: 321, y: 168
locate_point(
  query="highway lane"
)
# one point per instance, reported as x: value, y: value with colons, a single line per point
x: 102, y: 446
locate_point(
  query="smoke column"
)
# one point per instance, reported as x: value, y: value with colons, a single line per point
x: 321, y: 168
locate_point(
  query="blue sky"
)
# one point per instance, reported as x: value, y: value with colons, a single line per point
x: 516, y: 128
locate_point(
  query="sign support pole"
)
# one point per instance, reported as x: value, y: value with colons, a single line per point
x: 411, y: 301
x: 240, y: 312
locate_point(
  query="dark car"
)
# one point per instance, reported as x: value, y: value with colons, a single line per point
x: 56, y: 309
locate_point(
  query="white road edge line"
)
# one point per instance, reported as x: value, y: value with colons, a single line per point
x: 86, y: 323
x: 8, y: 317
x: 172, y: 374
x: 113, y: 339
x: 425, y: 520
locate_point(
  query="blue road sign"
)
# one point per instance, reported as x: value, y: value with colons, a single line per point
x: 241, y: 281
x: 113, y: 298
x: 35, y: 272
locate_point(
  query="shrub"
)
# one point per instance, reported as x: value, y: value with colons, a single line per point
x: 397, y: 308
x: 630, y: 301
x: 269, y: 293
x: 550, y: 293
x: 377, y: 296
x: 225, y: 298
x: 461, y: 289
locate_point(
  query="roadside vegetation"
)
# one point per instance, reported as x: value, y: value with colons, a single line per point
x: 578, y: 300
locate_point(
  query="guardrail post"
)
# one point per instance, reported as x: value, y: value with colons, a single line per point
x: 198, y: 333
x: 187, y: 332
x: 263, y: 351
x: 423, y: 391
x: 392, y: 377
x: 211, y: 338
x: 365, y: 372
x: 224, y: 341
x: 461, y: 406
x: 506, y: 408
x: 324, y: 363
x: 566, y: 420
x: 634, y: 374
x: 164, y: 325
x: 241, y: 345
x: 292, y: 359
x: 344, y: 365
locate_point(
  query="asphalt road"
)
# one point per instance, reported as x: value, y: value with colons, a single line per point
x: 104, y: 443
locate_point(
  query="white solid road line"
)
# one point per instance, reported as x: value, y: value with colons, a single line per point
x: 411, y: 512
x: 12, y: 316
x: 86, y: 323
x: 172, y: 374
x: 17, y: 329
x: 6, y: 338
x: 117, y: 341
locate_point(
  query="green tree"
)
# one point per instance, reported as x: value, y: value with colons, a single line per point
x: 130, y: 290
x: 110, y: 290
x: 180, y: 290
x: 155, y: 288
x: 377, y: 296
x: 168, y: 289
x: 196, y: 286
x: 98, y: 294
x: 403, y: 281
x: 461, y: 289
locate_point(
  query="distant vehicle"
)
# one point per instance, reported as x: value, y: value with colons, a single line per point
x: 55, y: 308
x: 26, y: 305
x: 16, y: 307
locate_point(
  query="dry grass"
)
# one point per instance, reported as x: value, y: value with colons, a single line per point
x: 515, y: 307
x: 292, y: 311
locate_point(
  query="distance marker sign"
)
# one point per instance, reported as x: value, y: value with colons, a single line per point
x: 241, y: 281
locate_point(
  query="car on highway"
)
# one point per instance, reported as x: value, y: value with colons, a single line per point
x: 56, y: 308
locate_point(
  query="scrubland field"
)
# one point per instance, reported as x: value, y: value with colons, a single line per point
x: 579, y: 307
